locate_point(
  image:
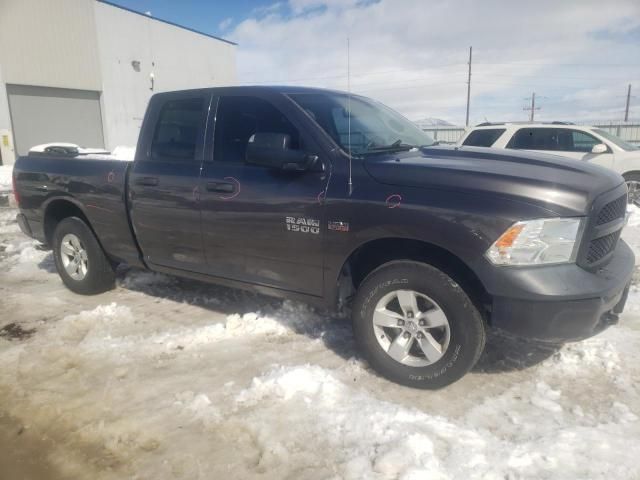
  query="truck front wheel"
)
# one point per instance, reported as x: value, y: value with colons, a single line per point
x: 416, y: 326
x: 633, y: 184
x: 79, y: 259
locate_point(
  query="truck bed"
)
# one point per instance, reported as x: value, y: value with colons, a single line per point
x: 96, y: 184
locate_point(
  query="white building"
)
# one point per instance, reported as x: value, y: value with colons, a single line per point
x: 82, y: 71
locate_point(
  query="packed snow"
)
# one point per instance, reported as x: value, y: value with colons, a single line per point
x: 72, y: 147
x: 169, y: 378
x: 123, y: 152
x: 6, y: 172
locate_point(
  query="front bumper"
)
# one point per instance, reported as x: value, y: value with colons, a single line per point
x: 561, y: 302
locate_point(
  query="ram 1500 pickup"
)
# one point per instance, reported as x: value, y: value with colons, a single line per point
x: 336, y: 200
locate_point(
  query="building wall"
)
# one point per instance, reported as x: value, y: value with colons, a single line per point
x: 7, y: 150
x: 89, y: 45
x: 177, y: 58
x: 48, y: 44
x: 444, y: 134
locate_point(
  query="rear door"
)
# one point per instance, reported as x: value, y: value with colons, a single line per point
x: 261, y: 225
x: 164, y: 179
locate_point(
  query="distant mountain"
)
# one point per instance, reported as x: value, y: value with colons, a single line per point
x: 432, y: 122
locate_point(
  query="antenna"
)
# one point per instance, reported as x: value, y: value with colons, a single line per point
x: 469, y: 86
x: 349, y: 113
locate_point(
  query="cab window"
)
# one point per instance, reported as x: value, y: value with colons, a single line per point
x: 177, y: 131
x: 238, y: 118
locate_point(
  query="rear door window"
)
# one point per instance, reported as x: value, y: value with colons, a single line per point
x: 554, y: 139
x: 539, y: 139
x: 484, y: 137
x: 178, y: 130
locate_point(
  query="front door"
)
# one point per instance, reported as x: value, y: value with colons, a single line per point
x: 164, y: 180
x: 261, y: 225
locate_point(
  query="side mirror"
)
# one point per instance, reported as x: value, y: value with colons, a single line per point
x: 600, y: 148
x: 272, y: 150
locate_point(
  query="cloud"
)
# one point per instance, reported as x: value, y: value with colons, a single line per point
x: 412, y: 54
x: 625, y: 32
x: 225, y: 24
x: 266, y: 10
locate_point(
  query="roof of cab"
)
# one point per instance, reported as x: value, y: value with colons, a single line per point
x: 284, y: 89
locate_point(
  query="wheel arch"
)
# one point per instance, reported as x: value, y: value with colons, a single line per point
x: 374, y: 253
x: 625, y: 175
x: 57, y: 210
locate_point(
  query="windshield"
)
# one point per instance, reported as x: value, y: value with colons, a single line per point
x: 617, y: 140
x: 374, y: 127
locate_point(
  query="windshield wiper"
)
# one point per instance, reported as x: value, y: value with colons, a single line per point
x: 397, y: 145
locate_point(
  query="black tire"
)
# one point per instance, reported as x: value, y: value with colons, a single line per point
x: 100, y: 275
x: 467, y: 330
x: 634, y: 191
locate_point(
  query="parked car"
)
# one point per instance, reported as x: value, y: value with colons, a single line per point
x: 590, y: 144
x: 338, y: 201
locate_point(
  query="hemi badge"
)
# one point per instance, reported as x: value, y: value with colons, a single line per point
x: 338, y: 226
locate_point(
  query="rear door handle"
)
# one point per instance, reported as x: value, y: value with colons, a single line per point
x: 221, y: 187
x: 147, y: 181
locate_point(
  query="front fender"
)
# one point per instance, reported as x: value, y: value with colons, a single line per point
x: 464, y: 225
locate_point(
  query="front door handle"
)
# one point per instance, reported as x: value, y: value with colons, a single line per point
x: 147, y: 181
x: 221, y: 187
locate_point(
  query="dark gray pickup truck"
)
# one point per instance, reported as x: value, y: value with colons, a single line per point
x: 338, y: 201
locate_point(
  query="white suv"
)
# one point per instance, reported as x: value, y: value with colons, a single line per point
x: 589, y: 144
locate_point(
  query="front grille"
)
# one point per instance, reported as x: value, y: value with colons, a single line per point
x: 612, y: 211
x: 603, y: 227
x: 600, y: 247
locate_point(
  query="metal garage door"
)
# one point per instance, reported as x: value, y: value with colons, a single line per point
x: 44, y: 115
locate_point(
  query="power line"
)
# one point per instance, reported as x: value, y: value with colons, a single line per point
x: 431, y: 72
x: 420, y: 81
x: 341, y: 77
x: 515, y: 63
x: 362, y: 74
x: 544, y: 75
x: 409, y: 87
x: 542, y: 85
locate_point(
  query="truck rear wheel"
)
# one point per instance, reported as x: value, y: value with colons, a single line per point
x: 79, y: 258
x: 416, y: 326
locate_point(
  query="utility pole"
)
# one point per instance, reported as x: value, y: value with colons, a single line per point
x: 469, y: 85
x: 532, y: 108
x: 626, y: 110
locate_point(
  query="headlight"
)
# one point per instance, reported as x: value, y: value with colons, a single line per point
x: 538, y: 242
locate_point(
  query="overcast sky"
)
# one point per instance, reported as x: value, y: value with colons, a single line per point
x: 578, y: 56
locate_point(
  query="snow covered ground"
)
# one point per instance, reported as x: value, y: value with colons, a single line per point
x: 166, y: 378
x: 5, y: 177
